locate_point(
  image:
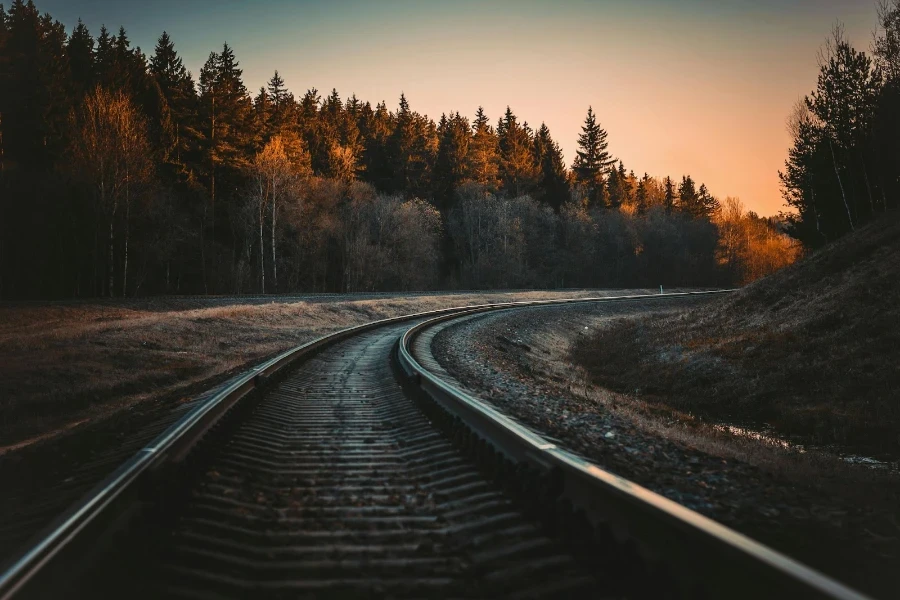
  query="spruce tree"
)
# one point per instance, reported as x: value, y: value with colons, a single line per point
x: 377, y: 152
x: 35, y: 96
x: 278, y: 94
x: 177, y: 88
x: 518, y: 170
x: 105, y: 58
x: 553, y: 184
x: 687, y: 196
x: 234, y: 112
x: 80, y: 50
x: 227, y: 111
x: 708, y: 204
x: 669, y: 197
x: 617, y: 187
x: 483, y: 158
x: 641, y: 195
x: 844, y: 103
x: 592, y: 158
x: 123, y: 66
x: 262, y: 118
x: 402, y: 147
x: 309, y: 127
x: 450, y: 167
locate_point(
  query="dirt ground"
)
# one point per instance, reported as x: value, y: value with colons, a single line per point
x: 811, y: 353
x: 64, y: 366
x: 839, y: 517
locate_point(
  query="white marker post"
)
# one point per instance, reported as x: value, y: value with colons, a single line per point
x: 660, y: 290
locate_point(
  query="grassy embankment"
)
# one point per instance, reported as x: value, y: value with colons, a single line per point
x: 64, y: 365
x: 812, y: 351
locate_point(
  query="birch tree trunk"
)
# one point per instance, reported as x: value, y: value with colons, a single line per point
x: 262, y: 253
x: 274, y: 264
x: 862, y: 161
x: 840, y: 184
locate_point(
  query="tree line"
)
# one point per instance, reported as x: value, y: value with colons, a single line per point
x: 843, y: 168
x: 121, y: 174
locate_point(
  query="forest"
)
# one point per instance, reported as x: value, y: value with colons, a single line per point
x: 843, y: 168
x: 121, y: 174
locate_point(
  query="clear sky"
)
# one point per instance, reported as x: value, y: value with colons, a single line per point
x: 688, y: 86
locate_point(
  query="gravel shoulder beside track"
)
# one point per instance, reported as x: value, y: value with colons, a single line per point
x: 838, y: 518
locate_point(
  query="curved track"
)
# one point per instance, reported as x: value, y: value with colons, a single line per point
x: 337, y: 483
x: 356, y: 474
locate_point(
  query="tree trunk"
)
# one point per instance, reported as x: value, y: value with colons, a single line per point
x: 127, y: 224
x: 202, y: 252
x: 262, y: 253
x: 212, y: 186
x: 95, y: 279
x: 840, y: 184
x: 274, y: 264
x: 215, y: 265
x: 816, y: 212
x: 111, y: 284
x: 862, y: 161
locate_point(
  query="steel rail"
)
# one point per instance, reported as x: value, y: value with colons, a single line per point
x: 174, y: 444
x: 696, y: 551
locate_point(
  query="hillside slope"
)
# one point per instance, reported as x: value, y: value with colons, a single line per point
x: 812, y: 352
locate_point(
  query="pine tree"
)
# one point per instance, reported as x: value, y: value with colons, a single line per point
x: 377, y: 132
x: 340, y: 142
x: 708, y: 204
x: 234, y: 138
x: 123, y: 70
x: 352, y: 107
x: 309, y: 128
x: 35, y: 90
x: 688, y: 199
x: 450, y: 167
x: 4, y: 92
x: 226, y: 116
x: 553, y: 184
x: 105, y: 58
x: 592, y: 158
x: 262, y: 116
x: 405, y: 161
x: 844, y: 104
x: 177, y: 88
x: 80, y: 50
x: 669, y: 198
x: 518, y: 170
x: 280, y: 98
x: 631, y: 182
x: 642, y: 196
x: 807, y: 185
x: 483, y: 158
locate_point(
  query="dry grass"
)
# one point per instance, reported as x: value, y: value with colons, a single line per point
x: 838, y: 517
x: 811, y: 351
x: 65, y: 364
x: 547, y: 361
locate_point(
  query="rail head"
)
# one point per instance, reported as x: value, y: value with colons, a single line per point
x: 175, y: 443
x: 697, y: 550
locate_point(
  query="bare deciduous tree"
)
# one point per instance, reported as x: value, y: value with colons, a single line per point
x: 276, y: 172
x: 111, y: 154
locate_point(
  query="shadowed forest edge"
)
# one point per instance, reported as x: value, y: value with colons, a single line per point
x: 122, y: 175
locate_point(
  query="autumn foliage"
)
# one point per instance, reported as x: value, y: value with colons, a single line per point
x: 122, y: 174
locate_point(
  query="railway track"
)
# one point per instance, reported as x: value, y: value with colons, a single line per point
x: 359, y: 473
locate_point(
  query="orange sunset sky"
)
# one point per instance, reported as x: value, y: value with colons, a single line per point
x: 696, y: 86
